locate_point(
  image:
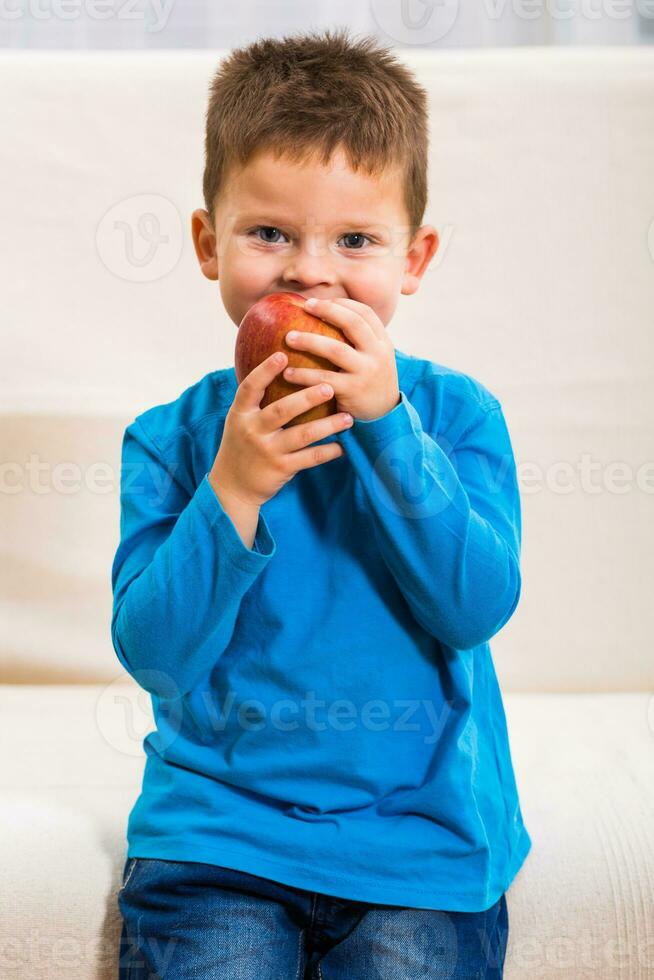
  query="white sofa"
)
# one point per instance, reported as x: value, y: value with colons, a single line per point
x: 541, y: 188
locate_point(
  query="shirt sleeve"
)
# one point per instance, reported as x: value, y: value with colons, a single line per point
x: 447, y: 520
x: 179, y: 574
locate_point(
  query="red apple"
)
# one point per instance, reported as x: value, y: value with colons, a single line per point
x: 261, y: 333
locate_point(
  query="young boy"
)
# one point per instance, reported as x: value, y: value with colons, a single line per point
x: 329, y: 790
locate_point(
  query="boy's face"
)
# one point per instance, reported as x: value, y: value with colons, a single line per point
x: 317, y: 230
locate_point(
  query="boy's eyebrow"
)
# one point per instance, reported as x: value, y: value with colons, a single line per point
x: 265, y: 217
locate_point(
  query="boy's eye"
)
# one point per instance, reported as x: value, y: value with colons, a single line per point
x: 270, y: 228
x: 356, y: 234
x: 265, y: 228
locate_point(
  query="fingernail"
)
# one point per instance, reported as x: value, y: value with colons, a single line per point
x: 311, y: 302
x: 292, y: 335
x: 326, y: 390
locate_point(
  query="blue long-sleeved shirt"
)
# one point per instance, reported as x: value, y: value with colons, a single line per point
x: 326, y: 707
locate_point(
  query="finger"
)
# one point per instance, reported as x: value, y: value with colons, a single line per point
x: 366, y: 312
x: 340, y: 354
x: 299, y: 436
x: 305, y: 459
x: 313, y: 376
x: 350, y: 321
x: 252, y: 388
x: 279, y: 412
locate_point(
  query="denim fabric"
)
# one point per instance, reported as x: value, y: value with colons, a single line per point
x: 184, y: 919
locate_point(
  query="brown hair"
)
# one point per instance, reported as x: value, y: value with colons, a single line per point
x: 307, y: 94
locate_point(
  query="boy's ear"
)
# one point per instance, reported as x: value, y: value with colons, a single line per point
x: 419, y: 255
x: 204, y: 242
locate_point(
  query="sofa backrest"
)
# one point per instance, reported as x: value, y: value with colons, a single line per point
x: 541, y: 170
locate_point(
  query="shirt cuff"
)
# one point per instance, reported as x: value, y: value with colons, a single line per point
x: 381, y: 431
x: 263, y: 547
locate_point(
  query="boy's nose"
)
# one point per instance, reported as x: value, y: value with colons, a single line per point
x: 309, y: 268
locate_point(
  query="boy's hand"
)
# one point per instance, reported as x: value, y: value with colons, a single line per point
x: 257, y: 456
x: 367, y: 384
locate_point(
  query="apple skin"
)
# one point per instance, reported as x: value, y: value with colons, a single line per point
x: 261, y: 333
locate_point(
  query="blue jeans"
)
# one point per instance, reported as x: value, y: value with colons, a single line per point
x: 184, y: 919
